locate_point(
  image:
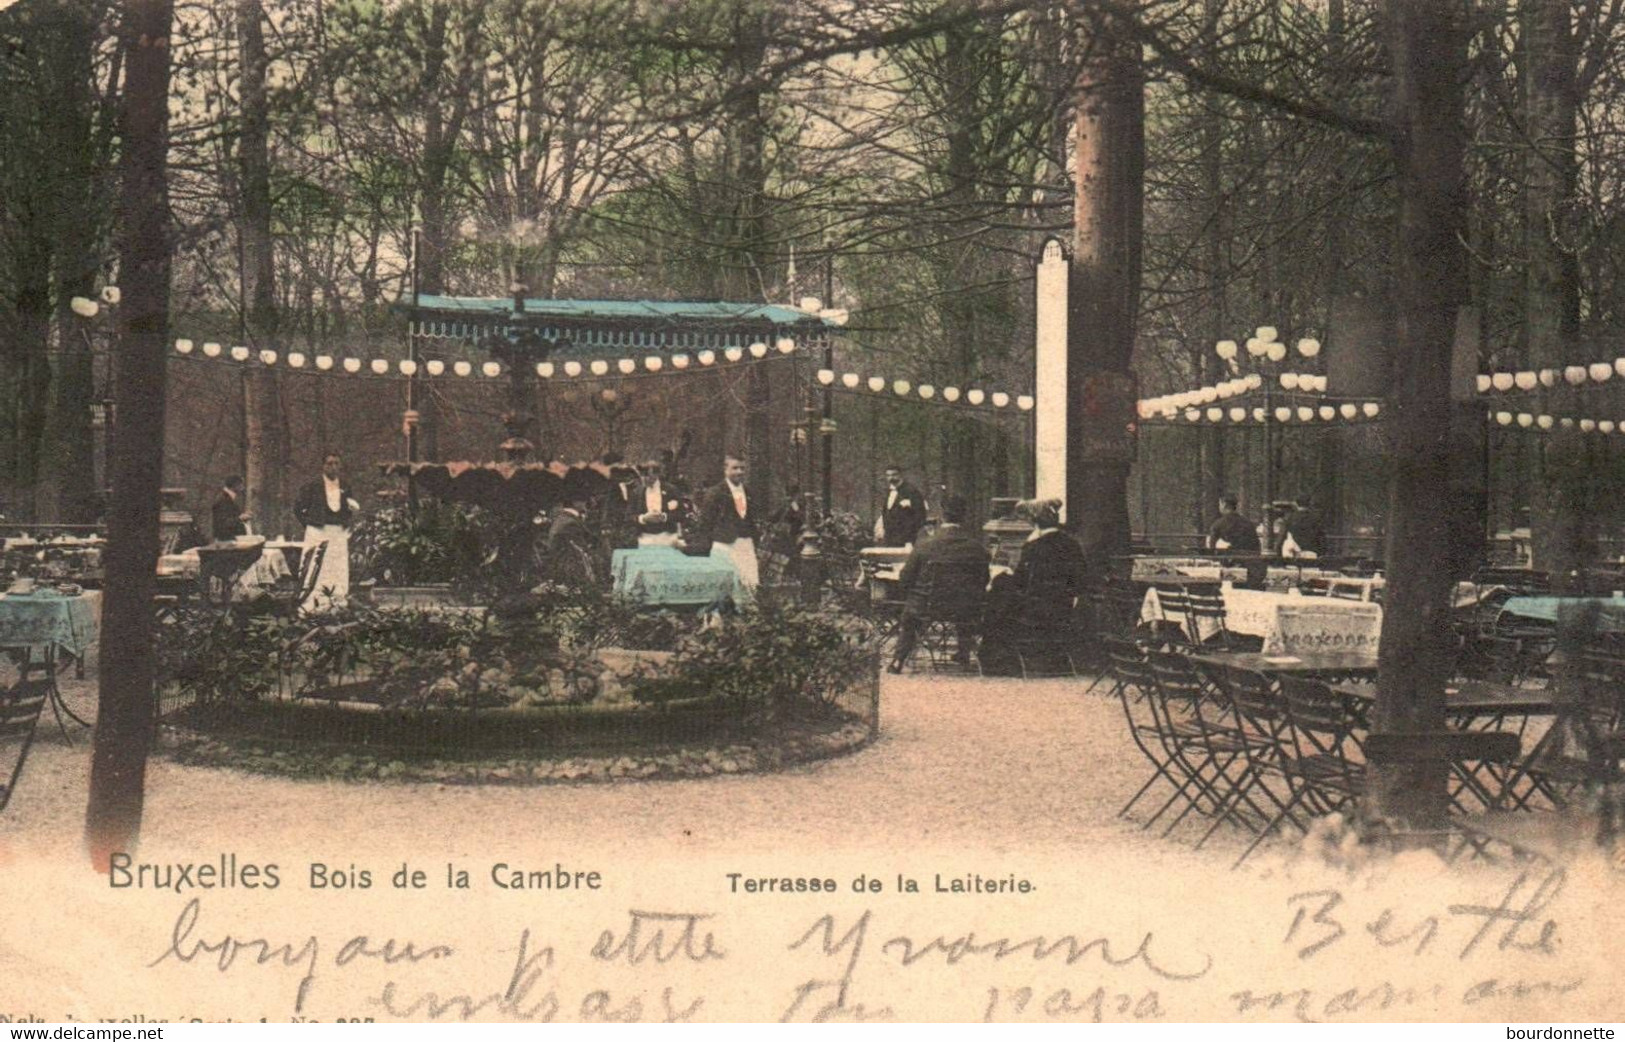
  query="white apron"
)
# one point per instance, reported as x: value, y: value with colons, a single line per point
x: 335, y: 573
x: 741, y: 555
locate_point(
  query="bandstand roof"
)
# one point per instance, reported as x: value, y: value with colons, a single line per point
x: 586, y: 327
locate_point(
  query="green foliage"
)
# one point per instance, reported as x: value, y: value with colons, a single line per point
x: 776, y: 661
x: 217, y: 657
x: 439, y: 543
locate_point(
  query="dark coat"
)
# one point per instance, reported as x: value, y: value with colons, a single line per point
x: 670, y: 491
x: 226, y: 519
x: 902, y: 523
x: 1050, y: 575
x: 310, y: 506
x: 1235, y: 529
x: 950, y: 544
x: 1308, y: 529
x: 721, y: 520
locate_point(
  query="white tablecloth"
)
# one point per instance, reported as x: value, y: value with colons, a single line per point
x: 1290, y: 623
x: 270, y: 567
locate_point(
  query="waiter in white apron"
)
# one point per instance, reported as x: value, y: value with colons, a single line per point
x: 731, y: 523
x: 327, y: 510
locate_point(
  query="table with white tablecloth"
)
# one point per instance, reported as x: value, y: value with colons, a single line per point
x: 1289, y: 622
x: 266, y: 570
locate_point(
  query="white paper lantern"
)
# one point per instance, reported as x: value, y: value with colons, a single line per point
x: 1266, y: 334
x: 1255, y: 381
x: 211, y: 349
x: 110, y: 295
x: 784, y: 344
x: 1328, y: 412
x: 1567, y: 423
x: 757, y: 350
x: 851, y: 380
x: 599, y: 367
x: 1575, y: 374
x: 352, y: 365
x: 408, y: 367
x: 1371, y: 409
x: 1237, y: 414
x: 679, y: 361
x: 626, y: 366
x: 927, y: 391
x: 544, y: 370
x: 183, y: 346
x: 1525, y: 419
x: 877, y: 384
x: 325, y: 362
x: 900, y: 386
x: 1601, y: 371
x: 1305, y: 413
x: 1210, y: 394
x: 1259, y: 414
x: 1000, y: 399
x: 296, y: 359
x: 1588, y: 425
x: 1619, y: 366
x: 735, y: 352
x: 951, y: 394
x: 1193, y: 415
x: 1215, y: 414
x: 1605, y: 426
x: 572, y: 368
x: 1501, y: 381
x: 1544, y: 422
x: 84, y: 307
x: 1282, y: 413
x: 826, y: 376
x: 1289, y: 381
x: 835, y: 316
x: 1503, y: 418
x: 1348, y: 410
x: 706, y: 357
x: 462, y: 368
x: 1276, y: 352
x: 380, y: 366
x: 975, y: 396
x: 1548, y: 377
x: 1257, y: 347
x: 812, y: 305
x: 654, y: 363
x: 1483, y: 382
x: 491, y: 369
x: 1226, y: 349
x: 239, y: 354
x: 1308, y: 347
x: 1525, y: 380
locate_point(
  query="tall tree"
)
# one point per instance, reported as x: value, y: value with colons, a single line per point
x: 265, y: 434
x: 124, y: 718
x: 1108, y: 215
x: 1428, y: 41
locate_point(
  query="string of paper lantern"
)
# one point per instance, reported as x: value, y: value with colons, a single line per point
x: 1543, y: 423
x: 1242, y: 415
x: 879, y: 385
x: 596, y: 367
x: 1508, y: 381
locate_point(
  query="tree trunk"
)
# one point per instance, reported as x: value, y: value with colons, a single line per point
x: 69, y: 492
x: 1560, y: 500
x: 265, y: 433
x: 125, y: 715
x: 1429, y: 50
x: 1105, y: 286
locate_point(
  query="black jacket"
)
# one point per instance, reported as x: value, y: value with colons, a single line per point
x: 310, y: 506
x: 1050, y: 572
x: 900, y: 524
x: 952, y: 545
x: 721, y: 519
x: 670, y: 492
x: 226, y: 519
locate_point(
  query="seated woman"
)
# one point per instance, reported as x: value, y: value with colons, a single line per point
x: 1036, y: 601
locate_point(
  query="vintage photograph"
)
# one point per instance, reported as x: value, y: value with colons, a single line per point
x: 778, y: 510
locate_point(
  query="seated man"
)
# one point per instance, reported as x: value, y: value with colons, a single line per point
x: 1232, y: 531
x: 1039, y: 597
x: 952, y: 544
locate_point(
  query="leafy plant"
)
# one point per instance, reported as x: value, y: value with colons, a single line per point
x: 437, y: 543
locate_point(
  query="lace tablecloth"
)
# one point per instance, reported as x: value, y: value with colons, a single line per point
x: 1290, y: 623
x: 44, y: 619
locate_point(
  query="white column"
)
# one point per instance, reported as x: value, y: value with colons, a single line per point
x: 1049, y: 385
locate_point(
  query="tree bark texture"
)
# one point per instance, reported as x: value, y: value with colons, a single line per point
x: 125, y: 713
x: 1417, y: 649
